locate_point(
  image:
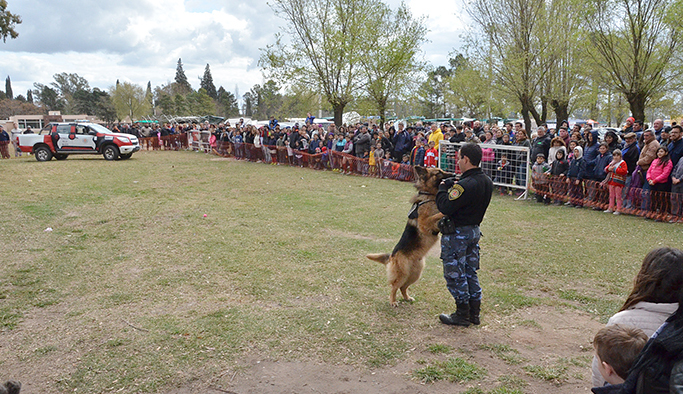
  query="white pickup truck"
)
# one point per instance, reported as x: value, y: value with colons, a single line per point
x: 59, y: 140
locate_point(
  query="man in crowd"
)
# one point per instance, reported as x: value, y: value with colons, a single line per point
x: 647, y: 154
x: 402, y: 143
x: 658, y: 127
x: 540, y: 144
x: 463, y: 204
x: 630, y: 154
x: 675, y: 147
x: 436, y: 136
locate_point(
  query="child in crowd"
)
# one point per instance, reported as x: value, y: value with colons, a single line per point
x: 431, y: 156
x: 406, y: 160
x: 597, y: 191
x: 376, y: 155
x: 540, y: 180
x: 558, y: 173
x: 575, y: 175
x: 658, y: 177
x: 504, y: 173
x: 617, y: 348
x: 572, y: 144
x: 386, y: 165
x: 417, y: 155
x: 616, y: 179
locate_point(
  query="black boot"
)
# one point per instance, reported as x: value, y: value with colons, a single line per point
x: 475, y: 307
x: 459, y: 318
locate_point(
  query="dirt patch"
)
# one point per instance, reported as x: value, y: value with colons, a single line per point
x: 538, y: 337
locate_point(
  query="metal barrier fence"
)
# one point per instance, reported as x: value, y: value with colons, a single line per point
x: 506, y: 165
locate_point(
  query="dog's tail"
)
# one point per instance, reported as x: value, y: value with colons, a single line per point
x: 380, y: 257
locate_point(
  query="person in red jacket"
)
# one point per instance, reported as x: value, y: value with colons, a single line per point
x: 432, y: 155
x: 616, y: 172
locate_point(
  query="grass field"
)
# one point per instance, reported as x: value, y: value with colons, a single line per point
x: 135, y: 289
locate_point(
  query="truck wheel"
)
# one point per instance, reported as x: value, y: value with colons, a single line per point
x: 125, y: 157
x: 61, y: 156
x: 110, y: 152
x: 43, y: 153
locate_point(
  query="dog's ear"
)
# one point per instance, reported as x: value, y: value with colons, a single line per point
x: 420, y: 172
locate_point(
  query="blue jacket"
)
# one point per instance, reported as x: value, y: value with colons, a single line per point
x: 675, y: 151
x: 591, y: 152
x: 577, y: 168
x: 599, y: 165
x: 402, y: 142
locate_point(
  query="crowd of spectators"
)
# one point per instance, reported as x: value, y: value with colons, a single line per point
x: 633, y: 171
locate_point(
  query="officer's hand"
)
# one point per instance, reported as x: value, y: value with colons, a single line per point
x: 447, y: 183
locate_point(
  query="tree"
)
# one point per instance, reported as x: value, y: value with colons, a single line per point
x: 67, y: 85
x: 207, y: 83
x: 8, y: 88
x: 226, y: 104
x: 392, y: 46
x: 327, y: 42
x: 469, y: 90
x: 516, y: 33
x: 199, y: 103
x: 433, y: 92
x: 129, y: 100
x: 8, y: 22
x: 637, y: 41
x: 184, y: 86
x: 148, y: 94
x: 248, y: 104
x: 17, y: 107
x: 48, y: 97
x: 29, y: 96
x: 268, y: 100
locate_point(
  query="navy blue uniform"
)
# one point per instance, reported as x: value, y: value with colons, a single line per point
x: 463, y: 203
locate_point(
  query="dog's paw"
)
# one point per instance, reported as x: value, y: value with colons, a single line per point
x: 410, y: 299
x: 394, y: 304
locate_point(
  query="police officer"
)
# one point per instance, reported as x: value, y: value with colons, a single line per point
x: 463, y: 204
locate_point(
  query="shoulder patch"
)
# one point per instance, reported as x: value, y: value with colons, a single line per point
x: 455, y: 192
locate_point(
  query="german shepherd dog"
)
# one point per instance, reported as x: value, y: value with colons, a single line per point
x: 406, y: 262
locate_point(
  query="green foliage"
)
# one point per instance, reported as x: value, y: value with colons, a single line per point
x: 226, y: 104
x: 8, y: 22
x: 207, y: 83
x: 130, y: 100
x: 183, y: 86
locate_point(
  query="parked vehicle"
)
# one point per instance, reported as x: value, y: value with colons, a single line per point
x: 59, y: 140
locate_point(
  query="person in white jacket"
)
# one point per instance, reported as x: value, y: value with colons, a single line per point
x: 653, y: 298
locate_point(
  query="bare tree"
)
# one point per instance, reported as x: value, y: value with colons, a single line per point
x: 636, y: 40
x: 516, y: 30
x: 326, y: 46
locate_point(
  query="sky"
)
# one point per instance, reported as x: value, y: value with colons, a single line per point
x: 140, y: 41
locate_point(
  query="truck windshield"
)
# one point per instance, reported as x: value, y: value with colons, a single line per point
x: 99, y: 129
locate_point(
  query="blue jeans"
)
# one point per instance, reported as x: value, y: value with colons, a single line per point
x: 460, y: 255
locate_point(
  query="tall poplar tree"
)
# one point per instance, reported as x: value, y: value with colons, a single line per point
x: 8, y: 89
x: 181, y: 79
x: 207, y: 83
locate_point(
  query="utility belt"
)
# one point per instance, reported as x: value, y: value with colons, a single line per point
x: 448, y: 226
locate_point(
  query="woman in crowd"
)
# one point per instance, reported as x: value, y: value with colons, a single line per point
x: 656, y: 293
x: 521, y: 161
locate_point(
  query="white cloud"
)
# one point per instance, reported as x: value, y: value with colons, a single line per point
x: 141, y: 40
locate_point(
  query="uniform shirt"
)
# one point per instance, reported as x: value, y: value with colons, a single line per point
x: 465, y: 201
